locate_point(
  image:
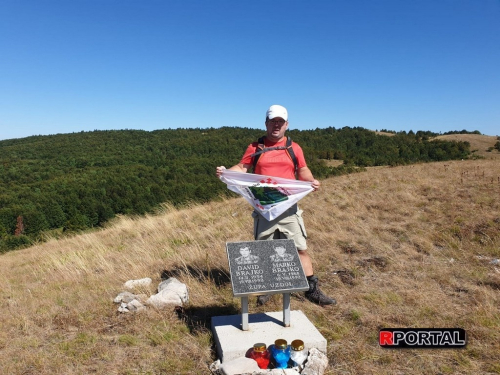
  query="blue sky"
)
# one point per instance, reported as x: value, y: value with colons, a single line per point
x: 82, y: 65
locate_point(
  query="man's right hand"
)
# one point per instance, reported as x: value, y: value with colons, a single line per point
x: 218, y: 170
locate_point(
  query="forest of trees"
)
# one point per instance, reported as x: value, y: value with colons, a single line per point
x: 71, y: 182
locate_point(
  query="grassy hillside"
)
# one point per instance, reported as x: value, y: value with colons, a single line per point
x: 66, y: 183
x: 479, y: 144
x: 397, y: 247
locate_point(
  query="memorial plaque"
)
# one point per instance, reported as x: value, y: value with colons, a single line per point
x: 265, y: 267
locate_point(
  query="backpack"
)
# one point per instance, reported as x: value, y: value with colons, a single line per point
x: 261, y: 148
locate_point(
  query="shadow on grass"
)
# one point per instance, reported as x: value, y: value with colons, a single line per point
x: 199, y: 319
x: 218, y: 276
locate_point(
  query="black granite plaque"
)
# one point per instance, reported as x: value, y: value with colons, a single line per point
x: 265, y: 267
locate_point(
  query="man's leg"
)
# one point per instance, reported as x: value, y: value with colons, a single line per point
x: 314, y: 294
x: 305, y: 259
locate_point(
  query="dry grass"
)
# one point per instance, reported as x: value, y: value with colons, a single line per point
x: 333, y: 162
x: 397, y: 247
x: 385, y: 133
x: 480, y: 144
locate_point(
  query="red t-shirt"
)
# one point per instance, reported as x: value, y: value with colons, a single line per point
x: 275, y: 163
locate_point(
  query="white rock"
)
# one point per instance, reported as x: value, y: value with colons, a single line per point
x: 131, y: 284
x: 276, y: 371
x: 164, y: 298
x: 316, y: 364
x: 214, y: 367
x: 169, y: 283
x: 240, y: 365
x: 124, y: 297
x: 123, y: 308
x: 135, y: 305
x: 171, y: 292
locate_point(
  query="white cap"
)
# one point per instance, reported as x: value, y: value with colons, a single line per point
x: 277, y: 111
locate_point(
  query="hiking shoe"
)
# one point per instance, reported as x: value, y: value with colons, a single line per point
x: 262, y: 300
x: 314, y: 294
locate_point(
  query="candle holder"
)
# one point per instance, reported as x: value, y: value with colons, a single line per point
x: 281, y: 353
x: 298, y: 353
x: 260, y: 354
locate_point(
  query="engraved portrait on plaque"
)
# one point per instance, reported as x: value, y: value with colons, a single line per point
x: 258, y: 267
x: 246, y: 256
x: 281, y: 255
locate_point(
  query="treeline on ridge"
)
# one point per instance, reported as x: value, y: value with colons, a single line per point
x: 71, y: 182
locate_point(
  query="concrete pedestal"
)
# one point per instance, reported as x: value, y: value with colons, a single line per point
x: 232, y: 342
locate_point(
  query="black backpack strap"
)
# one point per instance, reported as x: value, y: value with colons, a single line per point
x: 261, y: 148
x: 258, y: 151
x: 289, y: 149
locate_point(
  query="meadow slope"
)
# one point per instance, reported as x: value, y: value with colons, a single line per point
x: 406, y: 246
x: 480, y: 145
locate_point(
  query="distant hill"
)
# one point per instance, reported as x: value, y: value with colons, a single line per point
x: 71, y: 182
x: 480, y: 145
x: 385, y: 133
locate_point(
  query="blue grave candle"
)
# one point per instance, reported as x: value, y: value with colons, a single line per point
x: 281, y: 353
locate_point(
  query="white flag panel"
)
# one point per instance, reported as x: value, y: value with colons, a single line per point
x: 270, y: 196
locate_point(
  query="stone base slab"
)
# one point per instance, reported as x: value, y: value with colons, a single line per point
x: 232, y: 342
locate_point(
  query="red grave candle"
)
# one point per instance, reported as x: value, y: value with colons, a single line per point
x: 260, y: 355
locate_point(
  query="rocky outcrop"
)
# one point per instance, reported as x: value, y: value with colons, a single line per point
x: 171, y: 292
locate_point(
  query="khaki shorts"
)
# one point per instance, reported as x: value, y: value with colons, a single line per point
x: 289, y: 225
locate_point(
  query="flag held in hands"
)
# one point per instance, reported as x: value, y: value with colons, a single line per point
x: 269, y: 196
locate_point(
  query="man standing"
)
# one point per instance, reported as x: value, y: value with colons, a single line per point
x: 278, y: 162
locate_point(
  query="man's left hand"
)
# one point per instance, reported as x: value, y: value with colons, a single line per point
x: 315, y: 184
